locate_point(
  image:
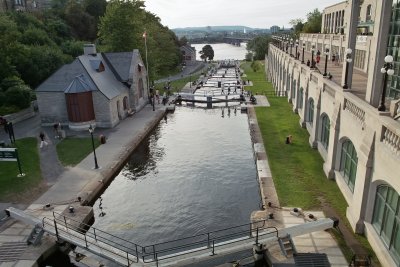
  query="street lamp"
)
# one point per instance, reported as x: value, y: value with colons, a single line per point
x: 302, y: 57
x: 348, y: 61
x: 297, y: 45
x: 96, y: 166
x: 291, y: 46
x: 326, y: 59
x: 312, y: 56
x: 287, y: 45
x: 387, y: 69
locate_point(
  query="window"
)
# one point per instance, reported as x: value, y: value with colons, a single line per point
x: 301, y: 97
x: 140, y: 88
x: 369, y: 13
x: 348, y: 164
x: 386, y: 218
x: 310, y: 114
x: 325, y: 128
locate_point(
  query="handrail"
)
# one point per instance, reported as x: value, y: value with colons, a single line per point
x: 151, y: 253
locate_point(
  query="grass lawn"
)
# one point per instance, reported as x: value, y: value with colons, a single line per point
x: 177, y: 85
x: 10, y: 184
x: 296, y: 168
x: 71, y: 151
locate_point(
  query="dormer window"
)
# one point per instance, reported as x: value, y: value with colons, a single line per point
x: 140, y: 66
x: 97, y: 65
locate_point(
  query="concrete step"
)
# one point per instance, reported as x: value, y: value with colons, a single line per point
x: 11, y: 251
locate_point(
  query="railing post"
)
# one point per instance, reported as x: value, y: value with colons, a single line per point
x: 55, y: 227
x: 65, y: 221
x: 213, y: 248
x: 85, y: 241
x: 137, y: 253
x: 154, y: 253
x: 257, y: 236
x: 94, y: 232
x: 127, y: 258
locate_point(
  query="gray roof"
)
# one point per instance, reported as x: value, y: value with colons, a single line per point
x: 62, y: 78
x: 105, y: 80
x: 120, y: 62
x: 80, y: 84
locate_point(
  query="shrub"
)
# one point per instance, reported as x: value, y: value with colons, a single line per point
x: 11, y: 82
x: 19, y: 95
x: 4, y: 110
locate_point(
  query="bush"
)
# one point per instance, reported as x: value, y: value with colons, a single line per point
x: 4, y: 110
x: 11, y: 82
x: 19, y: 96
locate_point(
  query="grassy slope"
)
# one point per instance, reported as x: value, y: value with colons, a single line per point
x: 71, y: 151
x: 10, y: 184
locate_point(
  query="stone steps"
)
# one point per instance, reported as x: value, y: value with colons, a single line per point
x: 11, y: 251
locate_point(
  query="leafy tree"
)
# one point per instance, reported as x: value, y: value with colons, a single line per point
x: 121, y: 27
x: 313, y: 23
x: 11, y: 82
x: 9, y: 35
x: 95, y: 8
x: 297, y: 25
x: 207, y: 52
x: 256, y: 66
x: 82, y: 24
x: 183, y: 41
x: 249, y: 56
x: 259, y: 46
x: 19, y: 95
x: 35, y: 36
x: 73, y: 48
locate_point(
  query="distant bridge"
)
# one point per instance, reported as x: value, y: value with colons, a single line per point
x: 236, y: 40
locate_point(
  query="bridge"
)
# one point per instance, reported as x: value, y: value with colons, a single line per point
x: 236, y: 40
x: 179, y: 252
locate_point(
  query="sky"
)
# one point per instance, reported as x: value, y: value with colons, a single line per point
x: 251, y: 13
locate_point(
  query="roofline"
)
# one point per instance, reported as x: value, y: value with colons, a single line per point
x: 334, y: 5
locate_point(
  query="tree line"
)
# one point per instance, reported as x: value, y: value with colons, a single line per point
x: 36, y: 44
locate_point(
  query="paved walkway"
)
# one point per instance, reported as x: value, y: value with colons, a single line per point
x: 81, y: 180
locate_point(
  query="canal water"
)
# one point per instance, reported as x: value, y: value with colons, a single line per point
x: 194, y: 174
x: 224, y: 51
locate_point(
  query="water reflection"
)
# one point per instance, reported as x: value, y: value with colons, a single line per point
x: 195, y: 173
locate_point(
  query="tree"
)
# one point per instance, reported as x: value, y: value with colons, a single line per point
x: 207, y: 52
x: 259, y: 46
x: 297, y: 25
x: 313, y: 23
x: 19, y: 96
x: 121, y: 27
x: 256, y: 66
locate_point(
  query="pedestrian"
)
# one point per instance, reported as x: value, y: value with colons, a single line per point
x: 308, y: 63
x: 298, y: 55
x: 55, y: 127
x: 318, y: 59
x: 337, y: 58
x: 334, y: 58
x: 229, y: 90
x: 42, y: 141
x: 158, y: 96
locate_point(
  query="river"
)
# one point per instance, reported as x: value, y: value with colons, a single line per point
x: 224, y: 51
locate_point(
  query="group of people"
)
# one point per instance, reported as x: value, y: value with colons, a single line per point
x: 335, y: 59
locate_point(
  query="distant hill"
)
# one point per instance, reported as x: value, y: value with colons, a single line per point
x: 216, y: 29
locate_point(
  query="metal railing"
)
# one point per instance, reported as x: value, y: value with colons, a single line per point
x: 85, y: 236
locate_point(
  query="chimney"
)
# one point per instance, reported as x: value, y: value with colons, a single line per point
x: 89, y: 49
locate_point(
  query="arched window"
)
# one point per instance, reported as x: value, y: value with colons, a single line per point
x: 348, y: 164
x: 386, y: 219
x: 301, y: 92
x: 141, y: 88
x: 325, y: 128
x: 369, y: 13
x: 125, y: 103
x: 294, y: 89
x: 310, y: 113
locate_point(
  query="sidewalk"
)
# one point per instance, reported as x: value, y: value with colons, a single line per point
x: 81, y: 180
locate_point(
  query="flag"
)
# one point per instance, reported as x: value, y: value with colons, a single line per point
x: 145, y: 35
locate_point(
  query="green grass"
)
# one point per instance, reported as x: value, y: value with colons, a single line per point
x: 71, y: 151
x: 260, y: 85
x: 10, y: 184
x: 177, y: 85
x: 296, y: 168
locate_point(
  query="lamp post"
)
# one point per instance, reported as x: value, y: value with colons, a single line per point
x: 297, y: 45
x: 312, y: 56
x: 326, y: 59
x: 96, y: 166
x: 387, y: 69
x: 348, y: 61
x: 287, y: 45
x: 302, y: 57
x: 291, y: 46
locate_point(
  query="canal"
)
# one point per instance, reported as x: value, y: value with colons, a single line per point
x: 224, y: 51
x: 195, y: 173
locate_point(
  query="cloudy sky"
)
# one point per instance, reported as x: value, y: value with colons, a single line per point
x: 251, y: 13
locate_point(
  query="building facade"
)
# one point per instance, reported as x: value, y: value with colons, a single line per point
x: 98, y: 89
x: 360, y: 145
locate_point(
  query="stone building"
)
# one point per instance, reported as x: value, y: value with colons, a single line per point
x: 95, y: 89
x: 188, y: 54
x: 352, y: 114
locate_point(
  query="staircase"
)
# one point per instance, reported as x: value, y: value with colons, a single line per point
x: 11, y: 251
x: 35, y: 236
x: 287, y: 246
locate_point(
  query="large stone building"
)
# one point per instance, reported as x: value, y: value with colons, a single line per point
x: 95, y: 89
x: 352, y: 113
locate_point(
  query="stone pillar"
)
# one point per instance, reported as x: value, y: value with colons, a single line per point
x: 351, y: 36
x: 305, y: 104
x: 379, y: 43
x: 330, y: 163
x: 357, y: 209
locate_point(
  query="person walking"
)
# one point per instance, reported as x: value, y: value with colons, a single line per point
x: 337, y: 59
x: 42, y: 141
x: 158, y: 96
